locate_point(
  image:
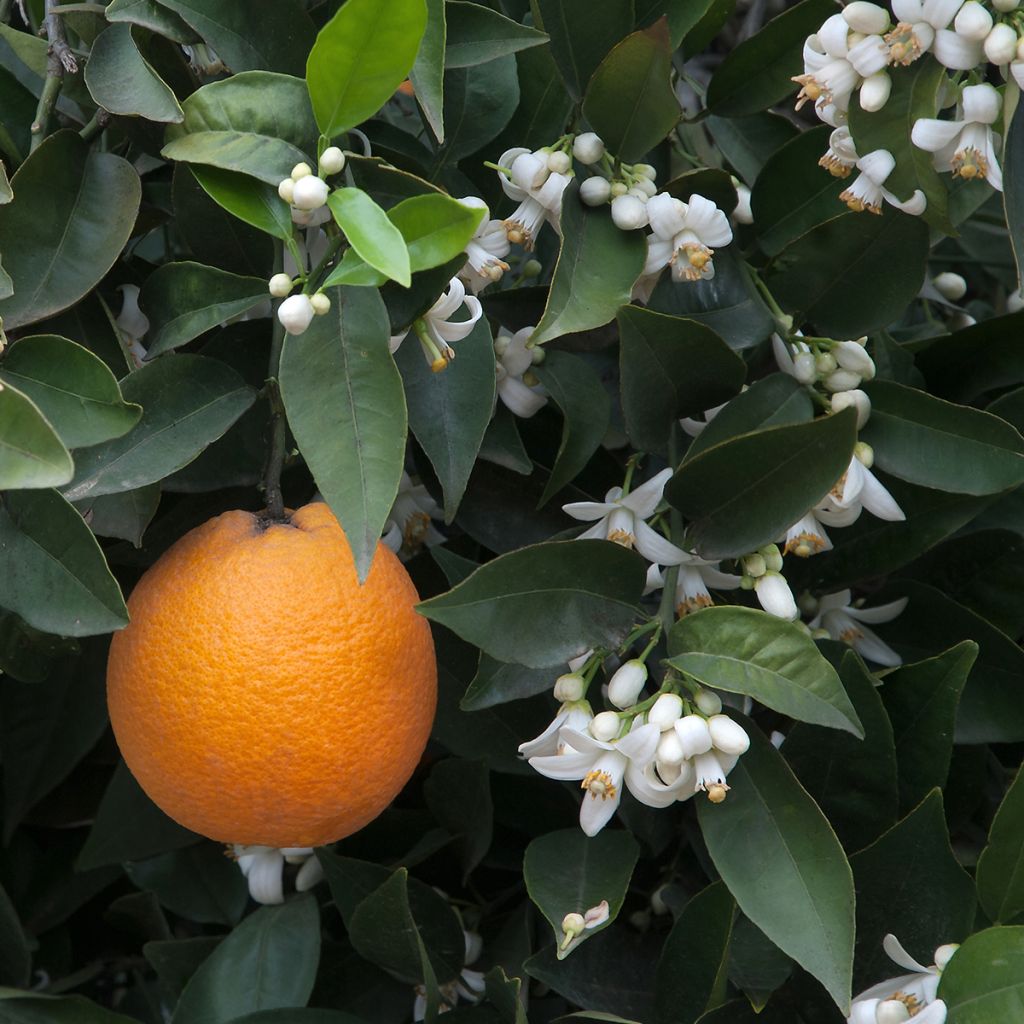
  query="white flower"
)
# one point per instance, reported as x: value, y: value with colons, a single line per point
x: 629, y: 213
x: 588, y: 148
x: 846, y: 623
x: 685, y: 235
x: 409, y: 525
x: 853, y: 398
x: 710, y: 747
x: 512, y: 360
x: 867, y: 192
x: 469, y: 985
x: 693, y: 426
x: 296, y: 313
x: 132, y: 322
x: 601, y: 765
x: 774, y: 595
x: 910, y: 996
x: 841, y: 154
x: 924, y: 25
x: 875, y: 91
x: 621, y: 518
x: 966, y: 145
x: 574, y: 716
x: 536, y: 205
x: 485, y: 250
x: 263, y: 868
x: 807, y: 537
x: 436, y: 331
x: 694, y: 578
x: 858, y: 488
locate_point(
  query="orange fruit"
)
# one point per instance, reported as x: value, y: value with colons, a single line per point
x: 260, y: 695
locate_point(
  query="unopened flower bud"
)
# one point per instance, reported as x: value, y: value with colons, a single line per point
x: 772, y: 559
x: 321, y: 304
x: 629, y: 213
x: 741, y: 212
x: 694, y: 736
x: 645, y: 171
x: 864, y: 17
x: 728, y: 736
x: 588, y: 148
x: 1001, y: 45
x: 864, y: 454
x: 538, y: 355
x: 619, y: 188
x: 532, y: 268
x: 804, y: 367
x: 310, y: 193
x: 825, y: 363
x: 854, y: 357
x: 605, y: 726
x: 1014, y: 301
x: 569, y: 687
x: 670, y: 749
x: 332, y: 160
x: 708, y: 702
x: 280, y: 285
x: 596, y: 191
x: 286, y: 190
x: 529, y: 171
x: 973, y: 21
x: 625, y: 685
x: 855, y: 399
x: 559, y: 162
x: 300, y: 171
x: 808, y: 604
x: 842, y: 380
x: 944, y: 954
x: 775, y: 597
x: 754, y: 565
x: 638, y: 193
x: 295, y: 313
x: 950, y: 286
x: 665, y: 711
x: 875, y: 91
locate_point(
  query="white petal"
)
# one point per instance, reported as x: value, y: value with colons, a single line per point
x: 905, y: 10
x: 898, y: 955
x: 878, y: 501
x: 652, y: 545
x: 659, y: 254
x: 705, y: 219
x: 640, y: 744
x: 915, y: 205
x: 666, y: 215
x: 981, y: 103
x: 939, y: 13
x: 719, y: 580
x: 546, y: 744
x: 266, y: 883
x: 840, y: 599
x: 566, y: 767
x: 872, y: 648
x: 933, y: 1013
x: 932, y: 135
x: 650, y: 790
x: 586, y: 511
x: 310, y: 874
x: 863, y: 1011
x: 521, y: 400
x: 955, y: 52
x: 644, y: 499
x: 832, y: 35
x: 457, y: 331
x: 880, y: 613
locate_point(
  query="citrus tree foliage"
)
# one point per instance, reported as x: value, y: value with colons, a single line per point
x: 675, y: 345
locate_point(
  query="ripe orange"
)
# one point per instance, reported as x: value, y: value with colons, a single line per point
x: 260, y: 695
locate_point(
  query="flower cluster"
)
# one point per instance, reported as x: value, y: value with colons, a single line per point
x: 264, y: 867
x: 437, y: 330
x: 535, y: 180
x: 517, y: 386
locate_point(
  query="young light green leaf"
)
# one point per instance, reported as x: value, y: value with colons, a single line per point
x: 360, y: 57
x: 31, y: 453
x: 984, y: 982
x: 476, y: 34
x: 1000, y: 870
x: 545, y: 603
x: 371, y: 233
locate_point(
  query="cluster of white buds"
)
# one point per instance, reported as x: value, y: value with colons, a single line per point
x: 536, y: 180
x: 297, y: 311
x: 306, y: 194
x: 837, y: 367
x: 626, y: 186
x: 517, y: 385
x: 762, y: 573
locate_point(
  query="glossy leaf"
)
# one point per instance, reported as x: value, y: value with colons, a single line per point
x: 747, y: 491
x: 783, y: 864
x: 586, y: 409
x: 73, y: 389
x: 370, y: 233
x: 122, y: 81
x: 479, y: 102
x: 597, y: 267
x: 985, y: 980
x: 747, y: 651
x: 427, y: 74
x: 184, y: 300
x: 188, y: 402
x: 268, y: 961
x: 937, y: 444
x: 579, y: 41
x: 544, y: 101
x: 567, y: 872
x: 670, y: 367
x: 125, y: 515
x: 55, y: 576
x: 629, y: 101
x: 152, y: 15
x: 252, y: 201
x: 546, y: 603
x: 1000, y: 870
x: 36, y: 1008
x: 360, y: 57
x: 55, y: 247
x: 477, y: 34
x: 31, y: 453
x: 748, y: 142
x: 497, y: 682
x: 344, y: 400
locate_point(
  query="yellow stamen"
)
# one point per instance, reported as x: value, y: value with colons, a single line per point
x: 599, y: 784
x: 904, y: 46
x: 689, y: 605
x: 803, y: 545
x: 834, y: 165
x: 857, y: 203
x: 415, y: 530
x: 810, y: 89
x: 912, y: 1003
x: 851, y: 635
x: 622, y: 537
x: 969, y: 164
x: 716, y: 792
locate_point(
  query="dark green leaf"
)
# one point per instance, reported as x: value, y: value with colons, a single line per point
x: 176, y: 960
x: 252, y: 201
x: 597, y: 267
x: 343, y: 396
x: 567, y: 872
x: 458, y: 794
x: 546, y: 603
x: 1001, y: 865
x: 188, y: 402
x: 497, y: 682
x: 15, y: 955
x: 1013, y: 184
x: 670, y: 367
x: 360, y: 57
x: 71, y: 387
x: 783, y: 864
x: 577, y: 390
x: 152, y: 15
x: 55, y: 246
x: 268, y: 961
x: 544, y: 102
x: 427, y: 74
x: 749, y: 490
x: 477, y: 34
x: 747, y: 651
x: 25, y: 1008
x: 31, y: 453
x: 122, y: 81
x: 748, y: 142
x: 984, y: 982
x: 55, y: 576
x: 370, y: 233
x: 709, y: 182
x: 125, y: 515
x: 629, y: 100
x: 478, y: 103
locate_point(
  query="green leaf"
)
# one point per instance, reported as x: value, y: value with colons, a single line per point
x: 544, y: 102
x: 597, y: 267
x: 271, y: 35
x: 1000, y: 870
x: 268, y: 961
x: 576, y: 389
x: 477, y: 34
x: 371, y: 233
x: 852, y: 780
x: 25, y: 1008
x: 55, y: 576
x: 1013, y: 184
x: 15, y: 954
x: 670, y: 367
x: 748, y: 142
x: 55, y: 247
x: 545, y: 603
x: 47, y: 729
x: 758, y: 73
x: 497, y: 682
x: 125, y: 515
x: 916, y: 92
x: 921, y: 700
x: 937, y: 444
x: 31, y: 453
x: 747, y: 651
x: 824, y: 275
x: 188, y: 402
x: 72, y: 387
x: 579, y: 41
x: 709, y: 182
x: 793, y: 194
x: 783, y: 864
x: 343, y: 396
x: 259, y: 123
x: 910, y: 876
x: 152, y: 15
x: 449, y: 411
x: 427, y: 74
x: 255, y: 202
x: 122, y: 81
x: 479, y: 102
x: 567, y: 872
x: 360, y: 57
x: 629, y: 100
x: 26, y: 654
x: 458, y: 793
x: 747, y: 491
x: 129, y: 826
x: 984, y: 982
x: 184, y: 300
x: 693, y: 963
